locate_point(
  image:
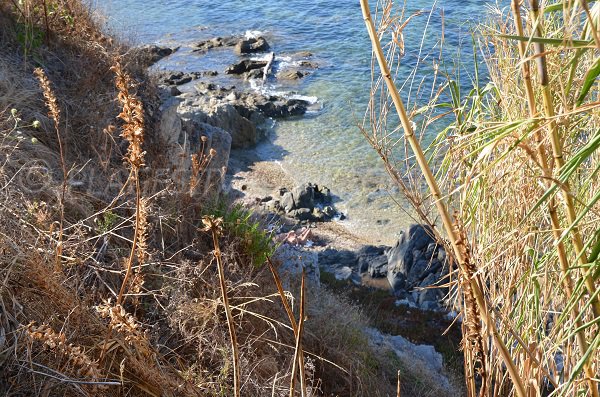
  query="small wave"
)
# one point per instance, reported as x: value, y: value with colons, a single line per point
x: 253, y: 34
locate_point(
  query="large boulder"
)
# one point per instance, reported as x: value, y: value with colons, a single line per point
x: 251, y: 45
x: 401, y: 257
x: 244, y: 132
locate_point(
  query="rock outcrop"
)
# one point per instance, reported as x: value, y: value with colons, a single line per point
x: 251, y: 46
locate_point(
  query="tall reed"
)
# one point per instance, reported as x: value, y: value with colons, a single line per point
x: 523, y: 186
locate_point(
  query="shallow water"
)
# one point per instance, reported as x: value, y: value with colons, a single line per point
x: 326, y: 146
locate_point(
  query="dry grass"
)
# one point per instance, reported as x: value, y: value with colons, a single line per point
x: 136, y: 306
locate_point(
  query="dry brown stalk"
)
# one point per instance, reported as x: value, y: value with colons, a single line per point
x: 214, y: 225
x: 54, y: 113
x: 57, y: 341
x: 290, y: 315
x: 133, y: 132
x: 298, y: 347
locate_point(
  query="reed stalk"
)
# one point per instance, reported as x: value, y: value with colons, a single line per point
x: 432, y: 184
x: 557, y: 152
x: 547, y: 175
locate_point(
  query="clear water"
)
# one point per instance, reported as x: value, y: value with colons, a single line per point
x: 325, y: 147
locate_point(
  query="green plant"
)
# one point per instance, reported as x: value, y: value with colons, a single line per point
x: 240, y: 224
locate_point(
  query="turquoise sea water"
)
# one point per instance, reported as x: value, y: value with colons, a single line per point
x: 325, y: 147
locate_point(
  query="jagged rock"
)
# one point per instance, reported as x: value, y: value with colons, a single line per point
x: 378, y: 267
x: 368, y: 254
x: 251, y: 45
x: 216, y: 42
x: 424, y: 357
x: 287, y: 202
x: 304, y: 196
x: 343, y: 273
x: 149, y: 54
x: 244, y: 66
x: 401, y: 256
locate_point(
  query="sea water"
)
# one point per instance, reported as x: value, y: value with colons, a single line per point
x: 325, y: 146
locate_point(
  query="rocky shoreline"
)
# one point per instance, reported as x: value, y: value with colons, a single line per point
x: 231, y: 121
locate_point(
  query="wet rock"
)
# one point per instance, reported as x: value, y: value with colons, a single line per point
x: 174, y: 91
x: 177, y: 78
x: 291, y: 75
x: 245, y: 66
x: 308, y: 64
x: 149, y: 54
x: 254, y: 74
x: 251, y: 45
x: 216, y: 42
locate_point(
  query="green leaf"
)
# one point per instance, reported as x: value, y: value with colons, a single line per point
x: 590, y: 78
x: 544, y: 40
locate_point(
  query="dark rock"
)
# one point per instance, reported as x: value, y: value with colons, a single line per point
x: 148, y: 55
x: 287, y: 202
x: 401, y: 256
x: 378, y: 267
x: 252, y: 45
x: 177, y: 78
x: 254, y: 74
x: 367, y: 254
x: 417, y: 271
x: 309, y: 64
x: 244, y: 66
x: 304, y: 196
x: 302, y: 214
x: 174, y: 91
x: 329, y: 211
x: 332, y: 258
x: 216, y: 42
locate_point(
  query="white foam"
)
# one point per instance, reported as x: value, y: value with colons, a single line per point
x: 253, y: 34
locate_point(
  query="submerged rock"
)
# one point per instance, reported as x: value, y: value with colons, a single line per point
x: 216, y: 42
x: 291, y: 74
